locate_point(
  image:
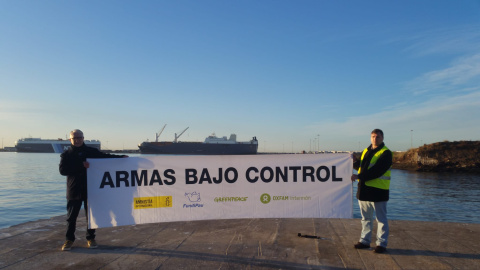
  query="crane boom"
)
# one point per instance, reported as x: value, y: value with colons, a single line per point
x: 157, y: 135
x: 176, y: 137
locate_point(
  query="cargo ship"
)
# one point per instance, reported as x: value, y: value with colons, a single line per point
x: 212, y: 145
x: 37, y: 145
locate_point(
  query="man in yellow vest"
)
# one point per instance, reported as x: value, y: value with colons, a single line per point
x: 373, y: 190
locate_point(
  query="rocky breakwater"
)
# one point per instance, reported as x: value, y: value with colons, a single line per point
x: 461, y: 156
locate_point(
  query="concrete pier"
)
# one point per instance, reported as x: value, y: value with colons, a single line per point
x: 241, y: 244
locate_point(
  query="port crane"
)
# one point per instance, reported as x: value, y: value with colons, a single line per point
x: 176, y: 137
x: 157, y: 135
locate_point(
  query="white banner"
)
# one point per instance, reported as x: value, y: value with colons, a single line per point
x: 149, y: 189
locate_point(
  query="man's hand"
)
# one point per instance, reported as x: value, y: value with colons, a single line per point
x: 354, y: 177
x: 86, y: 164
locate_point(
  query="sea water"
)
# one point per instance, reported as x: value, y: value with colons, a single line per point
x: 32, y: 188
x: 428, y: 196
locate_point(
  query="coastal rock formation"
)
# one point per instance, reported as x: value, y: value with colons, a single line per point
x: 461, y: 156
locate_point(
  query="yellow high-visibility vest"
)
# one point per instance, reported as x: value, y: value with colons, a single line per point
x: 383, y: 182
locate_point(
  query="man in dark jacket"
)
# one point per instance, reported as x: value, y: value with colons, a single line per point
x: 373, y: 190
x: 73, y: 164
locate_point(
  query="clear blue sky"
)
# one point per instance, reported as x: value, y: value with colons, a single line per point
x: 292, y: 73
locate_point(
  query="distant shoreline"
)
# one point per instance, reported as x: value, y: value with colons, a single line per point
x: 462, y: 156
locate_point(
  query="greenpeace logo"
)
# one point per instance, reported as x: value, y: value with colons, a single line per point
x: 230, y: 199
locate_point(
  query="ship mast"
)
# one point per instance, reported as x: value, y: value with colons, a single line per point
x: 157, y: 135
x: 176, y: 137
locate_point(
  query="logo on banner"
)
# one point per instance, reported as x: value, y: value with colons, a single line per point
x: 152, y: 202
x: 194, y: 199
x: 265, y: 198
x: 230, y: 199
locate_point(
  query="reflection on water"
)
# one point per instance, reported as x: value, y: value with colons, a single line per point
x: 451, y: 197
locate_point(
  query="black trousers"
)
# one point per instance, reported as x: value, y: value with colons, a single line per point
x: 73, y: 209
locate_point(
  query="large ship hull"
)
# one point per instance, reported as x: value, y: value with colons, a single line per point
x: 48, y: 146
x: 197, y: 148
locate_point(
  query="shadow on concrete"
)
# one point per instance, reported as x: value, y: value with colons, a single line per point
x: 413, y: 252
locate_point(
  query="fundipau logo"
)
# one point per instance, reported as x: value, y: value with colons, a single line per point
x: 265, y: 198
x: 194, y: 199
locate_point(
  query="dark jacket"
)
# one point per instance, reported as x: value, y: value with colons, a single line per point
x: 71, y: 165
x: 384, y: 162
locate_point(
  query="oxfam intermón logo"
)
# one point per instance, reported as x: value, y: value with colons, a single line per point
x: 265, y: 198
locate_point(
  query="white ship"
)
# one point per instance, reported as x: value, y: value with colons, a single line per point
x: 37, y: 145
